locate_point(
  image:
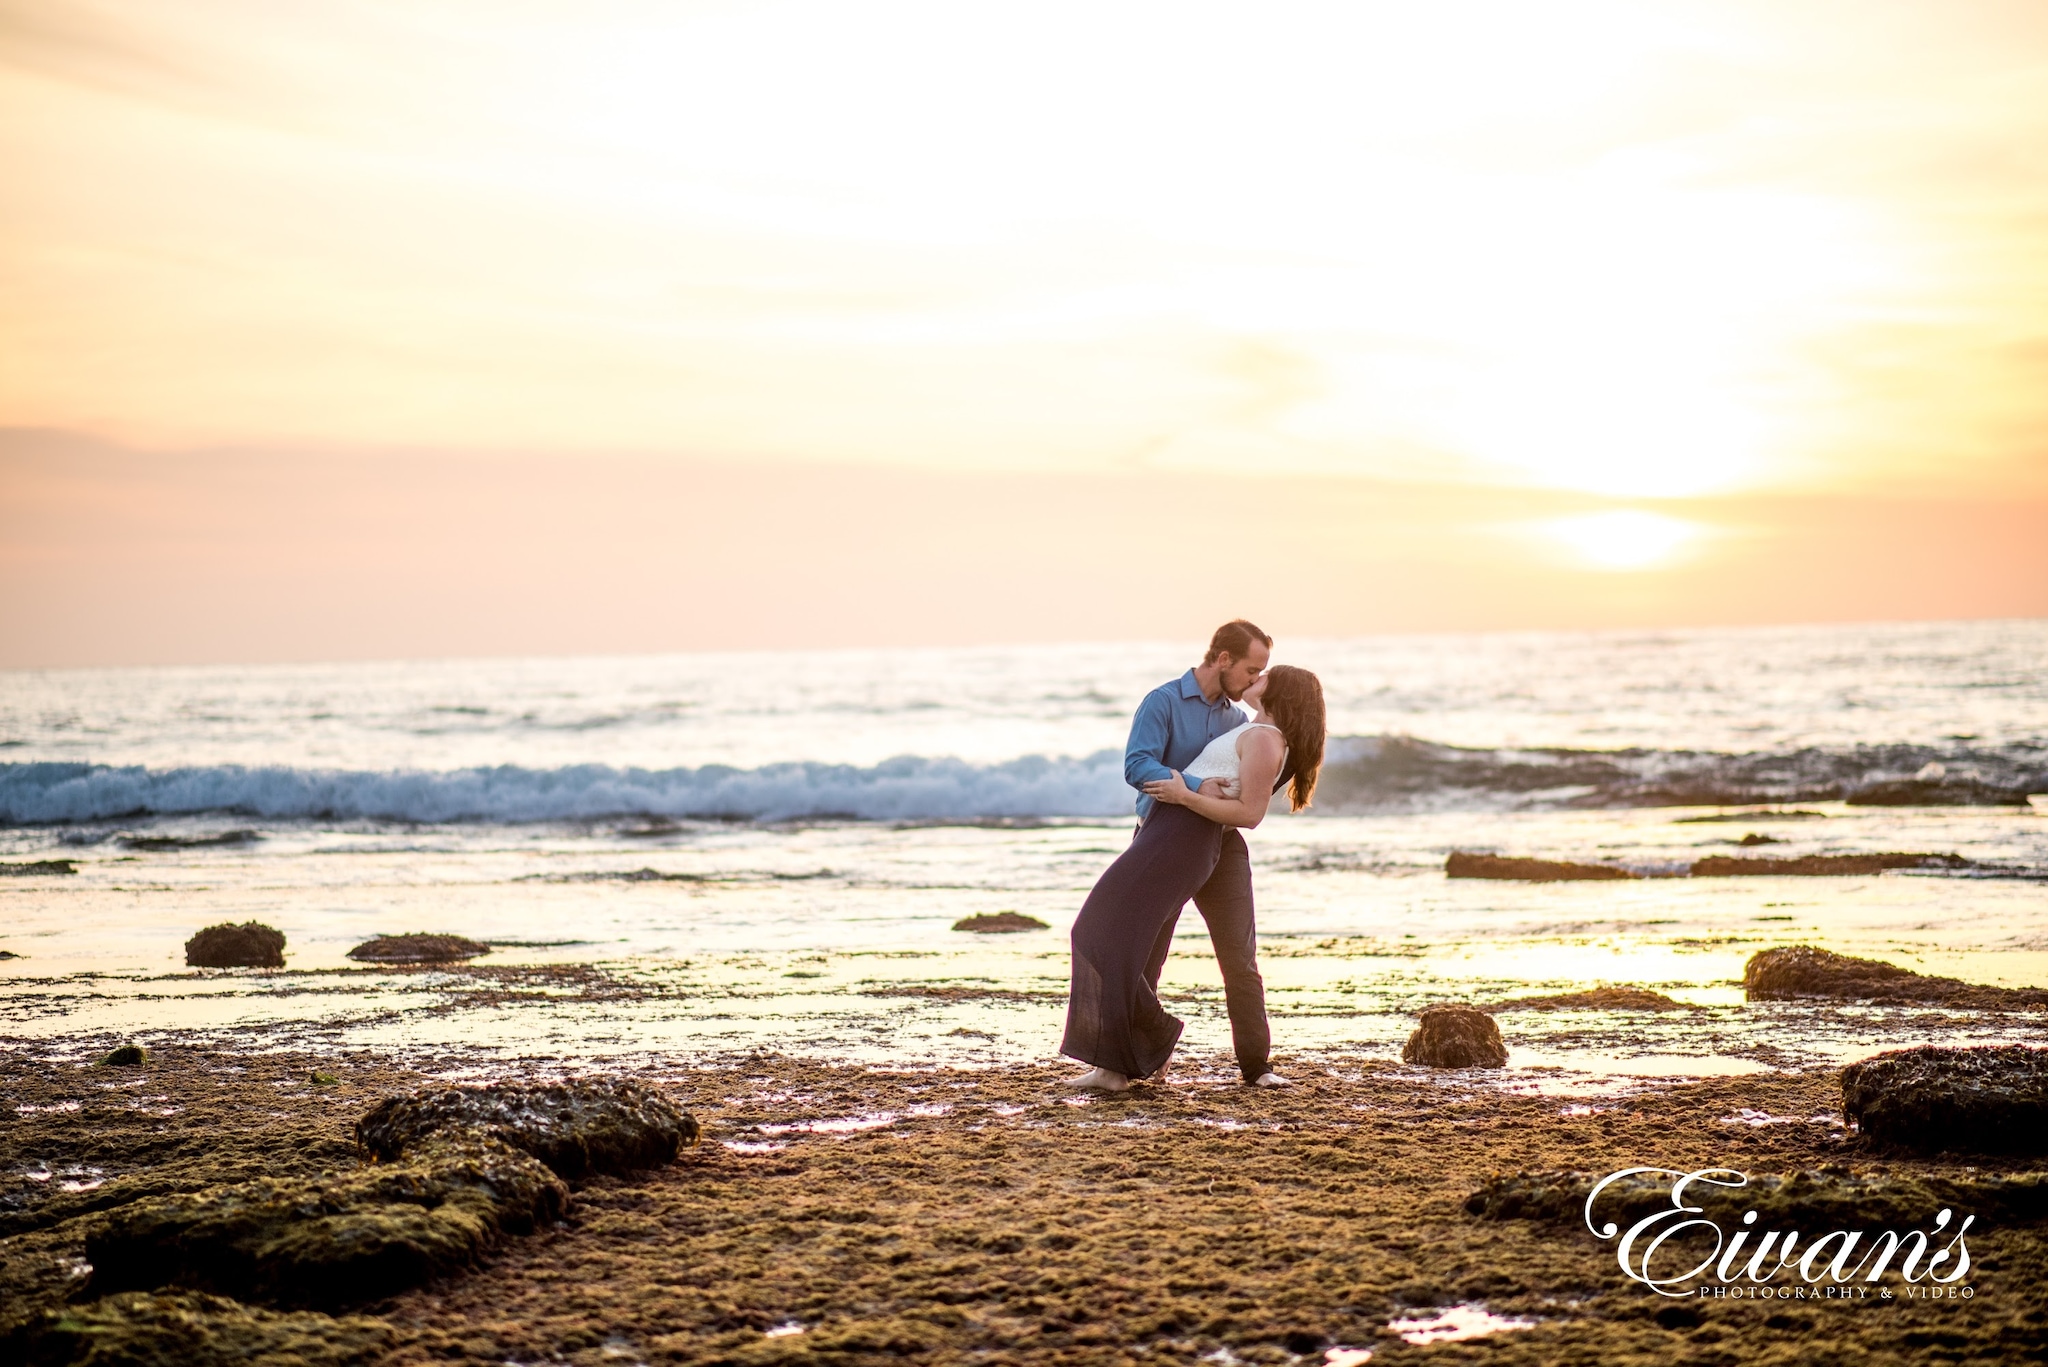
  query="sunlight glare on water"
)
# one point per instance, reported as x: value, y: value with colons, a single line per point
x: 1454, y: 1323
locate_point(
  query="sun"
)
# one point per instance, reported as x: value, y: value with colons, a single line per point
x: 1623, y: 539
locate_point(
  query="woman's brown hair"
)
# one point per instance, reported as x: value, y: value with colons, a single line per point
x: 1294, y: 698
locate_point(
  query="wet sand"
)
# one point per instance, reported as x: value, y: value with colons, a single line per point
x: 838, y: 1213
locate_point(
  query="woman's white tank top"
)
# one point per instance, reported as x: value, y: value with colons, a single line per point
x: 1219, y: 758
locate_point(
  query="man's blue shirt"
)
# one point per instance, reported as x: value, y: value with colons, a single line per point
x: 1173, y: 725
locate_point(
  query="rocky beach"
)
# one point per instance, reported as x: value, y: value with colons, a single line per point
x: 845, y: 1214
x: 404, y: 1016
x: 200, y: 1201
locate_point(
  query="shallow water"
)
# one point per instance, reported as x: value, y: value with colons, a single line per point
x: 834, y: 940
x: 1456, y: 1322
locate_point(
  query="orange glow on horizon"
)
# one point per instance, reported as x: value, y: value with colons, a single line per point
x: 110, y: 556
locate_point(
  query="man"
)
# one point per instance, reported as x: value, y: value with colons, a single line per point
x: 1174, y: 722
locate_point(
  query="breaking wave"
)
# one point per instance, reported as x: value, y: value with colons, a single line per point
x: 896, y: 790
x: 1364, y: 774
x: 1400, y: 773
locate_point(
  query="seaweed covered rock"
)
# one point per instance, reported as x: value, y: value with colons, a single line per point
x: 1807, y: 971
x: 1795, y: 971
x: 1821, y: 865
x: 1767, y: 814
x: 125, y: 1056
x: 40, y: 868
x: 1594, y: 999
x: 248, y: 945
x: 188, y: 1329
x: 161, y: 844
x: 1000, y: 923
x: 1547, y: 1196
x: 576, y: 1128
x: 1989, y: 1099
x: 334, y: 1240
x: 1456, y: 1037
x: 417, y: 949
x: 1830, y: 1198
x: 1937, y: 792
x: 1464, y: 865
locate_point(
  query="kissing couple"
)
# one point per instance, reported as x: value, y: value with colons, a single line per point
x: 1205, y: 773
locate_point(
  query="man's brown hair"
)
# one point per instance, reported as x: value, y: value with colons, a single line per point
x: 1235, y: 640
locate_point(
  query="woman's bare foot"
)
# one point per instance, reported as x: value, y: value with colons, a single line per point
x: 1098, y: 1080
x: 1270, y: 1079
x: 1159, y: 1074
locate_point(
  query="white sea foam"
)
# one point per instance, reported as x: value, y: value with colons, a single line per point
x: 1361, y: 773
x: 903, y: 789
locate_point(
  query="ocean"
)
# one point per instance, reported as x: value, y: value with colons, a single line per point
x: 722, y: 853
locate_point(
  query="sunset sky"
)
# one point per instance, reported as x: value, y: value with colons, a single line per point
x: 441, y: 327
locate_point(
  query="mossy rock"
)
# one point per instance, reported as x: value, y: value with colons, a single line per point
x: 335, y: 1240
x: 1938, y: 792
x: 1818, y: 1200
x: 163, y: 844
x: 1821, y: 865
x: 1594, y: 999
x: 1000, y: 923
x: 418, y: 949
x: 40, y: 868
x: 188, y: 1329
x: 1794, y: 971
x: 576, y: 1128
x: 1456, y: 1036
x: 126, y: 1056
x: 1986, y: 1099
x: 1463, y: 864
x: 248, y: 945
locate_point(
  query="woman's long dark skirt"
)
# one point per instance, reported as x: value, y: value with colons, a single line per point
x: 1114, y: 1019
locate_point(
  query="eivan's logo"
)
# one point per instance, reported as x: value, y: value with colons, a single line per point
x: 1658, y: 1249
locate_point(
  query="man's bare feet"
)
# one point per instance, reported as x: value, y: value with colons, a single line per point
x: 1098, y: 1080
x: 1270, y: 1079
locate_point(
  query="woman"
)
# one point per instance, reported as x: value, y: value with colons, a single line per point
x: 1114, y: 1019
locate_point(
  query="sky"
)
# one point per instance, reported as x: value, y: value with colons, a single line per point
x: 444, y: 327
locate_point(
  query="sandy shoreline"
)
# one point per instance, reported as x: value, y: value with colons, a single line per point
x: 944, y: 1214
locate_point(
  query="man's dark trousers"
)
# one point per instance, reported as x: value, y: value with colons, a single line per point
x: 1225, y: 902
